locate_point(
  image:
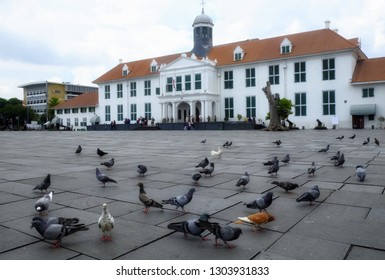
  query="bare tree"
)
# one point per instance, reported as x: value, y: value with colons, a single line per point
x: 273, y: 100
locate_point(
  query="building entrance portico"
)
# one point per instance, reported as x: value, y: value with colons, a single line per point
x: 181, y: 108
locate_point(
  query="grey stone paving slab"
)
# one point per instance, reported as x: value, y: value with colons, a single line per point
x: 361, y: 253
x: 362, y: 188
x: 308, y: 248
x: 12, y: 239
x: 361, y: 199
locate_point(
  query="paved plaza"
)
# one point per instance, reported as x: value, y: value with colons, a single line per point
x: 347, y: 221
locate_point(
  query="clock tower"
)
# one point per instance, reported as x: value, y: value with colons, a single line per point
x: 203, y: 34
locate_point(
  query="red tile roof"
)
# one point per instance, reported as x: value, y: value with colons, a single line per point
x: 88, y: 99
x: 305, y: 43
x: 369, y: 70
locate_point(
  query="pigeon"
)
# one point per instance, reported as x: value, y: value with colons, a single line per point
x: 243, y: 181
x: 209, y: 170
x: 196, y: 177
x: 311, y: 170
x: 78, y: 150
x: 336, y: 156
x: 146, y: 200
x: 180, y: 200
x: 42, y: 204
x: 226, y: 144
x: 106, y: 223
x: 324, y: 150
x: 340, y: 137
x: 142, y: 169
x: 103, y: 177
x: 256, y: 219
x: 56, y: 231
x: 277, y: 142
x: 100, y: 152
x: 203, y: 141
x: 287, y: 186
x: 271, y: 162
x: 191, y: 227
x: 360, y: 173
x: 376, y: 141
x: 352, y: 137
x: 58, y: 220
x: 262, y: 202
x: 286, y: 159
x: 109, y: 163
x: 310, y: 195
x: 366, y: 141
x: 204, y: 162
x: 43, y: 185
x: 229, y: 145
x: 225, y: 233
x: 340, y: 161
x: 274, y: 168
x: 216, y: 154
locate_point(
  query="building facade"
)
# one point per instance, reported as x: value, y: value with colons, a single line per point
x: 325, y: 75
x: 36, y: 95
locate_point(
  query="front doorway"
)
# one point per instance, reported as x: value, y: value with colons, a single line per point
x: 358, y: 122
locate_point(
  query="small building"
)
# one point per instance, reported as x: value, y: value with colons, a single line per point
x: 78, y: 112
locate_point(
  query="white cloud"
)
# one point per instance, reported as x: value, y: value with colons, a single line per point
x: 77, y: 41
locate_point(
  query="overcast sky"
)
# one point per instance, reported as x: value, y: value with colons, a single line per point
x: 78, y: 41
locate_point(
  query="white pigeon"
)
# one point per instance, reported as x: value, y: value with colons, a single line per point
x: 42, y: 204
x: 106, y: 223
x: 218, y: 153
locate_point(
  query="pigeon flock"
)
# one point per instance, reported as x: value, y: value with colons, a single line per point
x: 56, y: 228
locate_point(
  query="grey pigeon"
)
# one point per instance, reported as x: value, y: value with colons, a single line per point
x: 103, y: 177
x: 324, y: 150
x: 226, y: 144
x: 203, y: 141
x: 271, y: 162
x: 146, y: 200
x: 352, y: 137
x: 340, y: 137
x: 274, y: 168
x: 366, y: 142
x: 336, y: 156
x: 286, y: 159
x: 142, y: 169
x: 261, y: 202
x: 191, y: 227
x: 56, y: 231
x: 78, y: 150
x: 340, y: 161
x: 310, y: 195
x: 243, y: 181
x: 204, y: 162
x: 225, y: 233
x: 209, y: 170
x: 376, y: 141
x: 196, y: 177
x: 180, y: 200
x: 106, y: 223
x: 277, y: 142
x: 311, y: 170
x: 100, y: 152
x: 58, y: 220
x: 43, y: 203
x: 43, y: 185
x: 360, y: 173
x: 109, y: 163
x: 287, y: 186
x: 229, y: 145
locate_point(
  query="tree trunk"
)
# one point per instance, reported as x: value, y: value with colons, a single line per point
x: 274, y: 124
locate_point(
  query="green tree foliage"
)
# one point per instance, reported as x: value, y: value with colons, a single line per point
x: 52, y: 103
x: 13, y: 109
x: 284, y: 109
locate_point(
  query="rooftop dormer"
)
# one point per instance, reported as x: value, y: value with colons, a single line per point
x: 238, y: 53
x: 286, y: 46
x: 125, y: 70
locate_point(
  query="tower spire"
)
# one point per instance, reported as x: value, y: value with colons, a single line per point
x: 203, y: 6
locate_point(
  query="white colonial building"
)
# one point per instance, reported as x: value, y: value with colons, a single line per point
x: 327, y: 77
